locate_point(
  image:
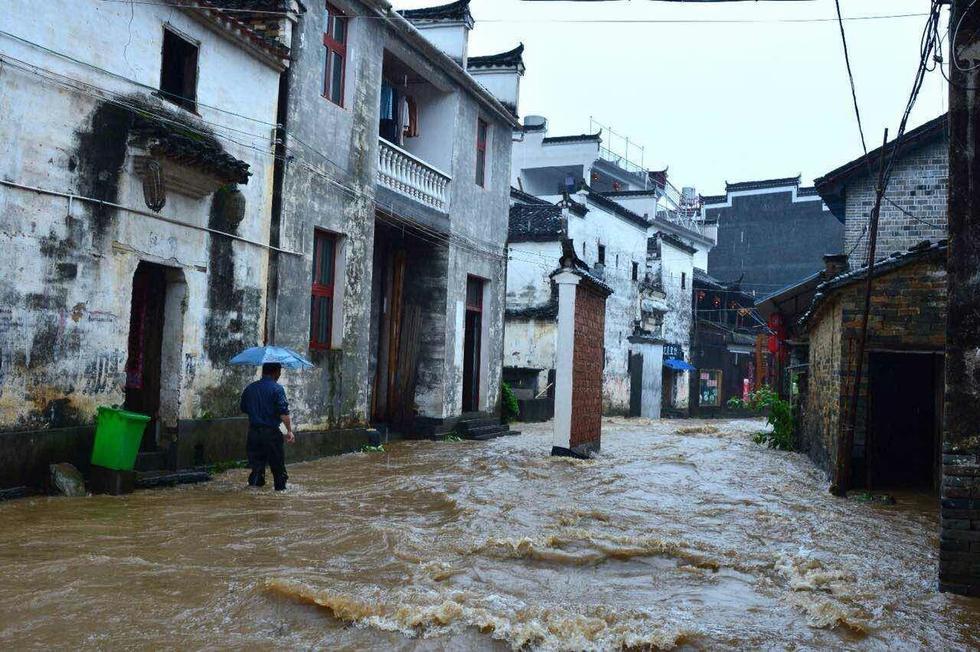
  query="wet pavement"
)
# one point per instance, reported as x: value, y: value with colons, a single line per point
x: 681, y: 534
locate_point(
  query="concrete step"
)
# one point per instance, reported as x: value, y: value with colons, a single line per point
x: 151, y: 461
x: 484, y: 433
x: 470, y: 424
x: 152, y: 479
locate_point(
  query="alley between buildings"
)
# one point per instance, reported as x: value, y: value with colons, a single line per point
x: 680, y: 533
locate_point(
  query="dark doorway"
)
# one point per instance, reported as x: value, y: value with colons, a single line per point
x: 666, y: 389
x: 636, y: 384
x: 471, y: 344
x: 904, y: 419
x: 408, y: 324
x: 143, y: 364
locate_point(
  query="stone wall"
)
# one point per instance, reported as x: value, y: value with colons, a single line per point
x: 959, y: 544
x: 823, y: 402
x: 918, y: 186
x: 590, y: 310
x: 908, y: 313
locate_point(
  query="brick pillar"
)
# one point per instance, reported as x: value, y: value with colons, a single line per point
x: 580, y: 353
x: 959, y: 548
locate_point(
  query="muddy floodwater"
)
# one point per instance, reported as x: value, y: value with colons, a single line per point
x: 682, y: 534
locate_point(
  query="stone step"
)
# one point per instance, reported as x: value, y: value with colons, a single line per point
x: 152, y: 479
x: 469, y: 424
x: 150, y: 461
x: 484, y: 433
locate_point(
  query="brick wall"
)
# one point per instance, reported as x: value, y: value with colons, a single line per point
x: 590, y: 314
x: 908, y: 312
x: 918, y: 185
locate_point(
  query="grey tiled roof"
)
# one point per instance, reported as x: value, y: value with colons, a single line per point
x: 538, y: 222
x: 763, y: 183
x: 925, y: 133
x: 459, y: 10
x: 925, y: 250
x: 507, y: 59
x: 584, y: 138
x: 618, y: 209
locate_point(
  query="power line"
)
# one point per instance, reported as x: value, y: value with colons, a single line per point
x: 850, y: 76
x: 638, y: 21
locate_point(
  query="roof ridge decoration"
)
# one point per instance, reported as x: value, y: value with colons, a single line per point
x: 763, y: 183
x: 458, y: 11
x: 597, y: 137
x: 510, y: 59
x: 631, y: 193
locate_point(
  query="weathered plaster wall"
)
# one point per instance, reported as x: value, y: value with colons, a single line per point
x: 329, y: 184
x: 478, y: 223
x: 529, y: 266
x: 66, y: 294
x: 677, y: 272
x: 529, y: 334
x: 918, y: 185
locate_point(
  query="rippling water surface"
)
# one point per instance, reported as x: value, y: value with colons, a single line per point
x: 682, y: 534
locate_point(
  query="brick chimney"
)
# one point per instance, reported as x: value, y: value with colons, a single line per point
x: 834, y: 265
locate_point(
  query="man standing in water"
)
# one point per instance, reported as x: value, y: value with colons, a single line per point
x: 265, y: 403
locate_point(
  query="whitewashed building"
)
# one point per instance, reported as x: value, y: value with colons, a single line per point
x: 134, y: 217
x: 624, y: 226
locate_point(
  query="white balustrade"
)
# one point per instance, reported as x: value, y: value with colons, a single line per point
x: 410, y: 176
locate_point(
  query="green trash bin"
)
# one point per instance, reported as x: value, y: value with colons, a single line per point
x: 117, y: 438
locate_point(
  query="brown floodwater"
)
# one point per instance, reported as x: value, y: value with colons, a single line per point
x: 681, y: 534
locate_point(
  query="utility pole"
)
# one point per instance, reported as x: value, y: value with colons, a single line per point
x: 959, y: 556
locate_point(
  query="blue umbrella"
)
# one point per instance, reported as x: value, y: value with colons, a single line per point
x: 260, y: 355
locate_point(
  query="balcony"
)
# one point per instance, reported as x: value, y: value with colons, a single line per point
x: 408, y: 175
x: 415, y: 130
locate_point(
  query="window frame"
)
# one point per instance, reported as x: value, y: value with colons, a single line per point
x: 601, y: 254
x: 334, y: 48
x: 635, y: 270
x: 186, y: 102
x: 482, y: 126
x: 321, y: 290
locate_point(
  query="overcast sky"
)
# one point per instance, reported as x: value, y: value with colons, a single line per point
x: 715, y: 102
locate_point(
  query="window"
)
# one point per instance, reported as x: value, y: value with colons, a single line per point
x: 710, y: 386
x: 683, y: 280
x: 178, y: 70
x: 482, y: 130
x: 335, y: 43
x: 322, y: 294
x: 636, y: 270
x: 602, y: 254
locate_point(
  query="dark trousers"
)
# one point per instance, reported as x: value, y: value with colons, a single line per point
x: 264, y: 446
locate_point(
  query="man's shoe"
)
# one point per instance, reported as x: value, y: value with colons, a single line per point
x: 256, y: 480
